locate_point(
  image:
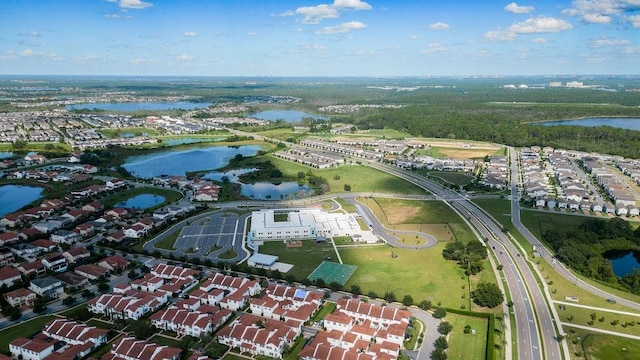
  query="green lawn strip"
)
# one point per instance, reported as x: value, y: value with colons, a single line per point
x: 24, y: 329
x: 467, y: 346
x: 114, y: 133
x: 102, y: 350
x: 350, y: 208
x: 100, y: 324
x: 168, y: 242
x: 229, y: 254
x: 455, y: 178
x: 424, y: 273
x: 585, y: 344
x: 170, y: 196
x: 360, y: 178
x: 295, y: 349
x: 342, y: 240
x: 418, y: 328
x: 233, y: 357
x: 626, y: 324
x: 304, y: 259
x: 162, y: 340
x: 326, y: 308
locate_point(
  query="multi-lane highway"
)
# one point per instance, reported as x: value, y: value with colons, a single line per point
x: 536, y: 329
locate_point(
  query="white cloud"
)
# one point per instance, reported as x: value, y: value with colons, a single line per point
x: 134, y: 4
x: 141, y: 61
x: 598, y: 43
x: 415, y: 37
x: 314, y: 48
x: 27, y: 52
x: 252, y: 33
x: 183, y: 57
x: 517, y: 9
x: 35, y: 33
x: 540, y: 25
x: 315, y: 14
x: 635, y: 21
x: 631, y: 50
x: 434, y: 48
x: 342, y: 28
x: 539, y: 40
x: 190, y: 33
x: 596, y: 18
x: 499, y: 35
x: 351, y: 4
x: 603, y: 11
x: 439, y: 26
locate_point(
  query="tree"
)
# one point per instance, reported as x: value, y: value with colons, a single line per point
x: 347, y: 187
x: 301, y: 175
x: 68, y: 300
x: 132, y: 274
x: 389, y: 296
x: 142, y: 329
x: 355, y: 290
x: 441, y: 343
x: 487, y: 295
x: 425, y: 305
x: 445, y: 327
x: 407, y: 300
x: 335, y: 286
x: 439, y: 313
x: 438, y: 355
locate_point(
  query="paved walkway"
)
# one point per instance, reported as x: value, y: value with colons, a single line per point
x: 596, y: 308
x: 589, y: 328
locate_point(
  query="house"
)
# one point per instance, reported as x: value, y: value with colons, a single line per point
x: 32, y: 269
x: 132, y: 306
x: 85, y: 229
x: 258, y: 336
x: 55, y: 262
x: 9, y: 276
x: 190, y: 322
x: 116, y: 237
x: 20, y: 297
x: 65, y: 237
x: 129, y: 348
x: 118, y: 213
x: 171, y: 272
x: 25, y: 250
x: 48, y: 286
x: 37, y: 348
x: 75, y: 333
x: 91, y: 271
x: 135, y: 231
x: 114, y: 263
x: 148, y: 282
x: 76, y: 254
x: 72, y: 281
x: 115, y: 184
x: 8, y: 238
x: 45, y: 245
x: 6, y: 256
x: 93, y: 207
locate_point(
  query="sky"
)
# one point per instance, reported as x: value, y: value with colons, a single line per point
x: 319, y: 37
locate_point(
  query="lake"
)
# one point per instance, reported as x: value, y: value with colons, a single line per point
x: 179, y: 162
x: 13, y: 197
x: 142, y: 201
x: 623, y: 262
x: 286, y: 115
x: 5, y: 154
x: 623, y: 123
x: 136, y: 106
x: 263, y: 190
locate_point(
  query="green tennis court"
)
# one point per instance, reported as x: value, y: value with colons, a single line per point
x: 332, y: 272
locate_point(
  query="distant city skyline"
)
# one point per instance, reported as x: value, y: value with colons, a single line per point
x: 319, y: 38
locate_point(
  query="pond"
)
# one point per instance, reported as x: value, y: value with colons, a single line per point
x: 137, y: 106
x: 189, y: 140
x: 142, y: 201
x: 263, y: 190
x: 179, y: 162
x: 622, y: 261
x: 5, y: 154
x: 286, y: 115
x: 623, y: 123
x: 13, y: 197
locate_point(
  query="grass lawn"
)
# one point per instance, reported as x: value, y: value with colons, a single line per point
x: 168, y: 242
x: 233, y: 357
x: 304, y: 259
x: 229, y: 254
x: 114, y: 133
x: 432, y: 217
x: 283, y: 134
x: 343, y: 240
x: 424, y: 274
x: 361, y: 178
x: 601, y: 346
x: 499, y: 209
x: 579, y: 316
x: 345, y: 205
x: 169, y: 196
x: 100, y: 324
x: 325, y: 309
x: 295, y: 349
x: 161, y: 340
x: 467, y: 346
x: 23, y: 329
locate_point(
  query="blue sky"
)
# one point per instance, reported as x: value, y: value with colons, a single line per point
x: 319, y: 38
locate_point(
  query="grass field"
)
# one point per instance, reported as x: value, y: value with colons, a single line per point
x: 432, y: 217
x: 455, y: 178
x: 626, y: 324
x: 114, y: 133
x: 361, y: 178
x: 23, y: 329
x: 467, y: 346
x: 345, y: 205
x: 600, y: 346
x: 304, y: 259
x: 168, y: 242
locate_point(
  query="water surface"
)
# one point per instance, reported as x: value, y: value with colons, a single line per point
x: 623, y: 123
x: 13, y: 197
x: 286, y: 115
x: 142, y: 201
x: 623, y: 262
